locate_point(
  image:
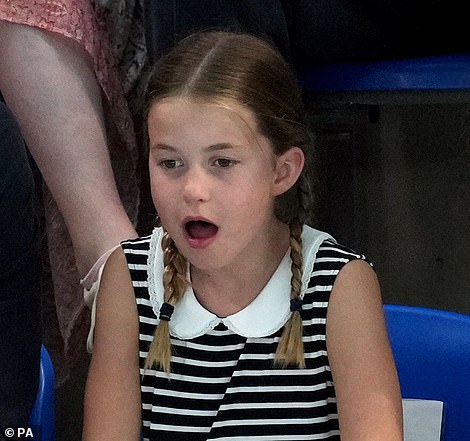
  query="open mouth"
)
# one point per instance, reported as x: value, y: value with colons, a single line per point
x: 200, y: 229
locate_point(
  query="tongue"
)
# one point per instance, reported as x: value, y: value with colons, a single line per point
x: 201, y: 230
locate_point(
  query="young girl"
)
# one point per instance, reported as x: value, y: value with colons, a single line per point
x: 234, y: 320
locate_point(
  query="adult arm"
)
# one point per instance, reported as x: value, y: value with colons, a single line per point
x: 366, y: 381
x: 112, y: 396
x: 49, y: 83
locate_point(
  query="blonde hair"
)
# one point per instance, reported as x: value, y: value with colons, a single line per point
x: 174, y: 284
x: 229, y: 67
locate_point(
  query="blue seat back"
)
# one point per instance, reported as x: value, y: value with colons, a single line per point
x: 432, y: 355
x: 444, y: 72
x: 43, y: 415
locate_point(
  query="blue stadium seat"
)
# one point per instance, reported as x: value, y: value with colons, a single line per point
x: 432, y: 354
x: 444, y: 72
x: 43, y: 416
x: 441, y: 79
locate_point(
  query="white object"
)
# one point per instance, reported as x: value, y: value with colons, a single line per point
x: 422, y: 419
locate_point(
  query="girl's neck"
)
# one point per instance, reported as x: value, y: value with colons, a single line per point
x: 229, y: 290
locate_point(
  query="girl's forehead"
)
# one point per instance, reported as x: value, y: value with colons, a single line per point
x: 197, y: 106
x: 178, y: 116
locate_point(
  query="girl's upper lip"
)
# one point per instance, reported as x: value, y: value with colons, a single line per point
x: 197, y: 219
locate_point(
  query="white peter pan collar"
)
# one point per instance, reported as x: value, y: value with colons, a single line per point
x: 262, y: 317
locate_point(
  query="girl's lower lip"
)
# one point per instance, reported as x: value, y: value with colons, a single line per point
x: 199, y: 243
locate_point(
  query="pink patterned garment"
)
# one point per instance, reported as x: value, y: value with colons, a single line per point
x: 76, y: 19
x: 65, y: 317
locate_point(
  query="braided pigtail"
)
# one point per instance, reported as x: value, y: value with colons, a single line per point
x: 174, y: 284
x: 290, y: 350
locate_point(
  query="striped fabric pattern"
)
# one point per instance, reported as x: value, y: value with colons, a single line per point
x: 227, y: 387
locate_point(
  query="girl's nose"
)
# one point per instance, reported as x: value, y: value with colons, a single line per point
x: 196, y: 186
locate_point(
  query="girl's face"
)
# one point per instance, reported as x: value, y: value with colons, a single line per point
x: 214, y: 179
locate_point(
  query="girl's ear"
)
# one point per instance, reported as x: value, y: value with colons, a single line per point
x: 288, y: 168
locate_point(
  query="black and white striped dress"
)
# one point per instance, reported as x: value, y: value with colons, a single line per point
x: 224, y: 384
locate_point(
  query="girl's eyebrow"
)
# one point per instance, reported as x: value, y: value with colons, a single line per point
x: 163, y: 147
x: 219, y: 146
x: 210, y: 148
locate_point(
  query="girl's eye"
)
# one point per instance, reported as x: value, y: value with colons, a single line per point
x: 224, y: 162
x: 171, y: 163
